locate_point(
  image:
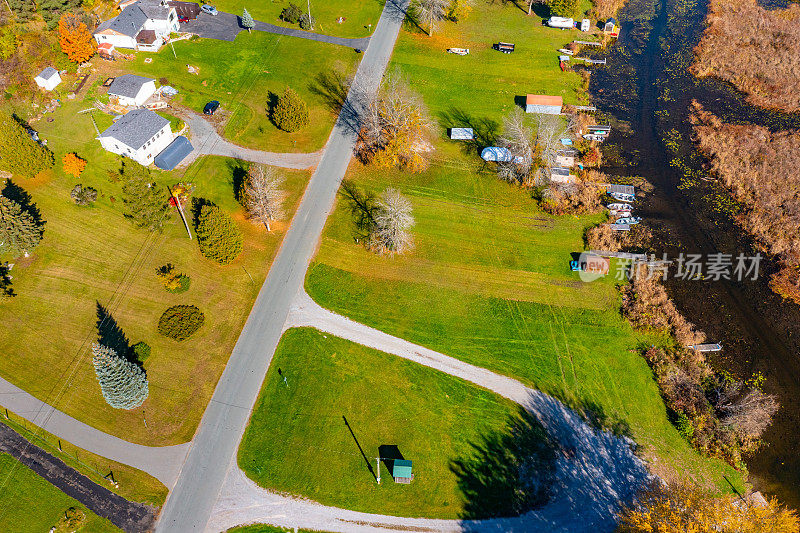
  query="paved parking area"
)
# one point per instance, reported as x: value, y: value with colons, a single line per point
x: 223, y: 27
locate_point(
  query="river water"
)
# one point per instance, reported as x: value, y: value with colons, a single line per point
x: 645, y: 92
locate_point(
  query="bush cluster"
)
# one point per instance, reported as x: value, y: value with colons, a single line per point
x: 83, y: 195
x: 218, y: 235
x: 291, y: 14
x: 291, y: 112
x: 140, y: 351
x: 174, y: 281
x: 180, y: 322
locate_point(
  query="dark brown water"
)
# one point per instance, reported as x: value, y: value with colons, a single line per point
x: 645, y: 92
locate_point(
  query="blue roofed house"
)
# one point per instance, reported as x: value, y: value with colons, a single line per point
x: 140, y: 135
x: 143, y: 25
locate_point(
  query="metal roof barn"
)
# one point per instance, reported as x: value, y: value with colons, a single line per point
x: 401, y: 471
x: 539, y: 103
x: 173, y: 154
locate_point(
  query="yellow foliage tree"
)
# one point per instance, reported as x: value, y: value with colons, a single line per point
x: 73, y: 164
x: 75, y: 38
x: 687, y: 508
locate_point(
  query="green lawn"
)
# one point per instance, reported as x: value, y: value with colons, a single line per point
x: 29, y: 503
x: 242, y: 75
x: 489, y: 280
x: 93, y: 255
x: 358, y: 15
x: 297, y: 440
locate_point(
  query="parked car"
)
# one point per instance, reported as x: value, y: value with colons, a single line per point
x: 211, y: 107
x: 183, y: 20
x: 211, y: 10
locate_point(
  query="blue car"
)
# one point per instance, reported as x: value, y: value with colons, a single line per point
x: 211, y: 10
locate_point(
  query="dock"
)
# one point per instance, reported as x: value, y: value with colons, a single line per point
x: 585, y: 108
x: 709, y: 347
x: 588, y: 43
x: 590, y: 61
x: 615, y: 187
x: 620, y: 227
x: 619, y: 255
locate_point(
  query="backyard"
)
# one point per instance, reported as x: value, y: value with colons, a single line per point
x: 30, y: 500
x: 489, y: 280
x: 318, y: 433
x: 95, y: 264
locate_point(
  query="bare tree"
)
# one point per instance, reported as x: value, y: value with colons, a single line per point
x: 263, y: 195
x: 748, y: 413
x: 392, y: 220
x: 517, y: 137
x: 431, y: 12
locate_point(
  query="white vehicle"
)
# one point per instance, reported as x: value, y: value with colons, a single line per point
x: 619, y: 207
x: 622, y: 197
x: 565, y: 51
x: 211, y: 10
x: 561, y: 22
x: 628, y: 220
x: 586, y: 25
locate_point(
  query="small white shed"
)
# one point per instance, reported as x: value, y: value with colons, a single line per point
x: 48, y: 79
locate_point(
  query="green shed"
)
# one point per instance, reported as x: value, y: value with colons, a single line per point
x: 401, y: 471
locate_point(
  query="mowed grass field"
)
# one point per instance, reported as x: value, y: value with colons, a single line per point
x: 357, y: 15
x: 94, y: 256
x: 242, y: 75
x: 489, y: 280
x: 29, y: 503
x: 297, y: 440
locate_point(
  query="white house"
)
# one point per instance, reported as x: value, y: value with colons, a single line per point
x: 142, y: 25
x: 48, y: 79
x: 139, y: 135
x: 130, y: 90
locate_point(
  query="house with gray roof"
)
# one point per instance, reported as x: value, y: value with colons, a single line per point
x: 142, y: 25
x: 131, y: 90
x: 140, y: 135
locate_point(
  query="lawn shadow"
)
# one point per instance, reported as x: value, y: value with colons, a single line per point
x: 331, y: 86
x: 14, y: 192
x: 238, y: 170
x: 198, y: 204
x: 485, y: 130
x: 597, y: 416
x: 411, y: 22
x: 272, y: 103
x: 110, y: 334
x: 389, y: 453
x: 360, y: 449
x: 509, y: 472
x: 6, y: 289
x: 521, y: 101
x: 362, y: 207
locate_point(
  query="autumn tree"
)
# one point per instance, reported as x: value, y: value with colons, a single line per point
x: 8, y: 42
x: 459, y: 10
x: 431, y: 12
x: 263, y: 195
x: 686, y: 507
x: 123, y: 384
x: 146, y: 203
x: 75, y: 38
x: 19, y: 153
x: 395, y: 127
x: 392, y: 219
x: 73, y: 165
x: 563, y: 8
x: 247, y: 20
x: 19, y: 231
x: 291, y: 112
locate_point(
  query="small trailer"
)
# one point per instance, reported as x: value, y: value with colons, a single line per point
x: 586, y: 25
x: 561, y: 22
x: 462, y: 134
x: 458, y: 51
x: 566, y: 51
x: 563, y: 59
x: 506, y: 48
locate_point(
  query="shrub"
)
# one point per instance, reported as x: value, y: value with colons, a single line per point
x: 180, y: 322
x: 73, y: 520
x: 83, y: 195
x: 685, y: 427
x: 291, y: 112
x: 307, y: 23
x: 173, y: 281
x: 141, y: 351
x: 218, y: 235
x: 291, y: 14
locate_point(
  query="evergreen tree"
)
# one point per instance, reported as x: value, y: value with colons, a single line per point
x: 146, y: 202
x: 52, y: 10
x: 19, y: 154
x: 247, y: 20
x: 19, y: 232
x: 218, y: 235
x: 291, y: 112
x: 123, y: 384
x: 24, y: 10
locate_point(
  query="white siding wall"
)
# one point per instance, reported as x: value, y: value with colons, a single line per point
x: 48, y: 85
x: 144, y: 155
x: 121, y: 41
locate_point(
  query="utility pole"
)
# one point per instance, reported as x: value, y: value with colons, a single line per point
x: 173, y: 49
x: 378, y: 461
x: 310, y: 20
x: 181, y: 213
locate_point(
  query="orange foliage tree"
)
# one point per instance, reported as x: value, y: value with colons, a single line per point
x: 73, y: 164
x: 75, y: 38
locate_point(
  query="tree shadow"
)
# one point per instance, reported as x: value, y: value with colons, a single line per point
x: 521, y: 101
x: 509, y: 472
x: 110, y: 334
x: 331, y: 86
x: 197, y: 205
x: 272, y: 103
x: 485, y: 130
x: 362, y: 206
x: 14, y: 192
x: 389, y: 453
x: 238, y: 170
x: 6, y: 290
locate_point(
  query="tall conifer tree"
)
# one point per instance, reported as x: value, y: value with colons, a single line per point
x: 123, y: 384
x: 19, y: 232
x: 19, y: 154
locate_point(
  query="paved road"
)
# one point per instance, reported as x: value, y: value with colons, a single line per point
x: 131, y: 517
x: 596, y: 471
x: 162, y: 462
x: 226, y: 26
x: 189, y: 505
x: 207, y: 141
